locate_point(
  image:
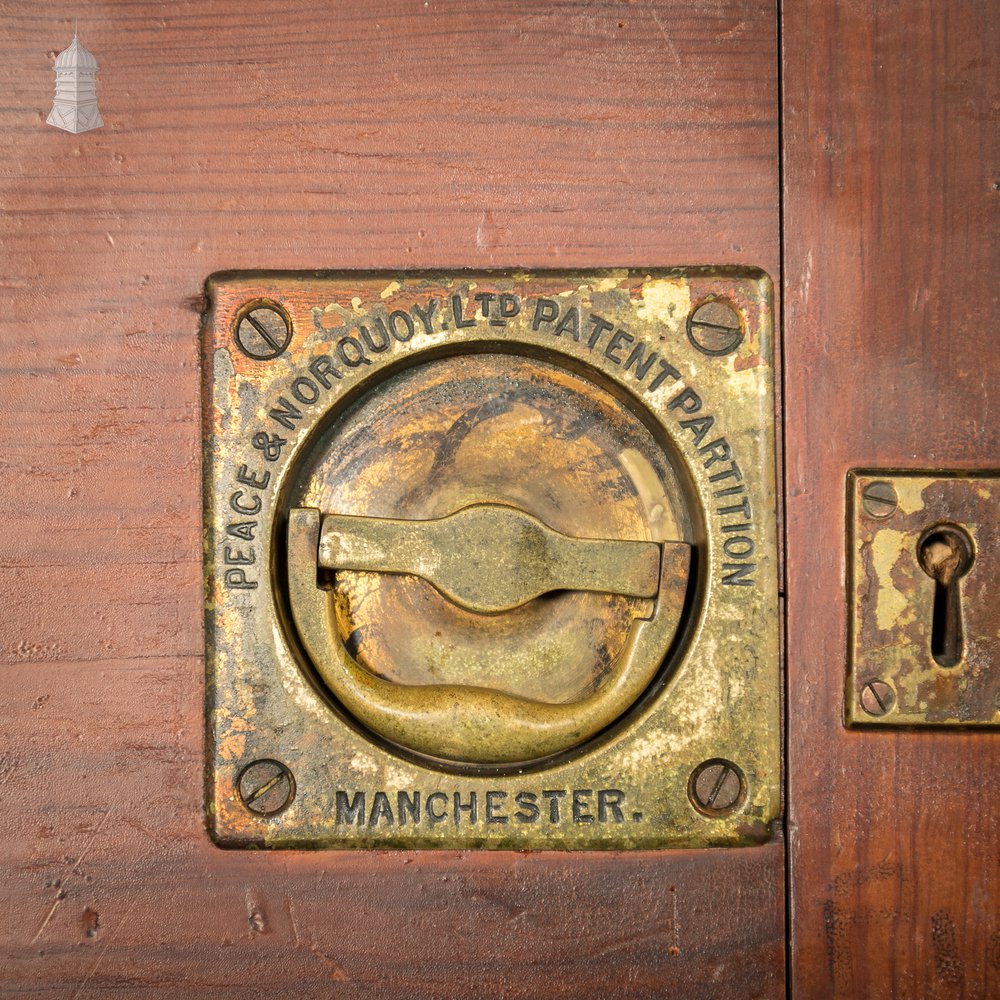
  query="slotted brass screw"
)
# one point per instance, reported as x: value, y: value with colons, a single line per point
x: 717, y: 787
x: 263, y: 331
x: 879, y: 499
x: 877, y: 698
x: 266, y: 787
x: 714, y: 328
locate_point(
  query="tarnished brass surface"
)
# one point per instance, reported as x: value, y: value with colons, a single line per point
x: 491, y: 560
x: 503, y: 429
x: 924, y: 561
x: 471, y: 724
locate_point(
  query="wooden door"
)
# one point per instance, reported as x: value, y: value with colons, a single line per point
x: 351, y: 136
x: 891, y: 262
x: 451, y: 135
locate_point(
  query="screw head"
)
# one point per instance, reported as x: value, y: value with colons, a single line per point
x: 262, y: 330
x: 717, y: 787
x: 879, y: 499
x: 715, y: 328
x: 266, y: 787
x: 877, y: 698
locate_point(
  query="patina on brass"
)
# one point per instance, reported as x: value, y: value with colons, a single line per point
x: 469, y: 431
x: 924, y: 560
x: 475, y: 724
x: 491, y: 560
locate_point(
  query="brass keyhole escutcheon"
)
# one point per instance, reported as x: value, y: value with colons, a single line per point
x: 923, y: 627
x: 946, y: 554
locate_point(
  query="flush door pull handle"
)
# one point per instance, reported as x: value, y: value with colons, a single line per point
x: 486, y: 558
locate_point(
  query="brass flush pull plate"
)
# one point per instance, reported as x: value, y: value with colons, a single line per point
x: 923, y: 566
x: 491, y: 560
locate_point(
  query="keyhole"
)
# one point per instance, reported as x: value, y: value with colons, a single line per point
x: 946, y: 554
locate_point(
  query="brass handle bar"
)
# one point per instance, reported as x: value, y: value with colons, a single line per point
x: 489, y: 557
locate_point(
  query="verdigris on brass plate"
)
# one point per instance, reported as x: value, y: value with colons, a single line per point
x: 491, y: 560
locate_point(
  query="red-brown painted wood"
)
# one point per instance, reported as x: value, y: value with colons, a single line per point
x: 891, y: 218
x: 289, y: 135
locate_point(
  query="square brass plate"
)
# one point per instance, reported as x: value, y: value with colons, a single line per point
x: 895, y: 676
x: 686, y: 355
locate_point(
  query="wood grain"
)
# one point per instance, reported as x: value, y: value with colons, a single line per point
x: 891, y: 220
x: 355, y: 135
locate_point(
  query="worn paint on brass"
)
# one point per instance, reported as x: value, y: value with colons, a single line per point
x: 893, y: 599
x: 565, y: 705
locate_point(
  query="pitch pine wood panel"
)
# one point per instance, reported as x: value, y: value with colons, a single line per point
x: 289, y: 135
x: 891, y: 219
